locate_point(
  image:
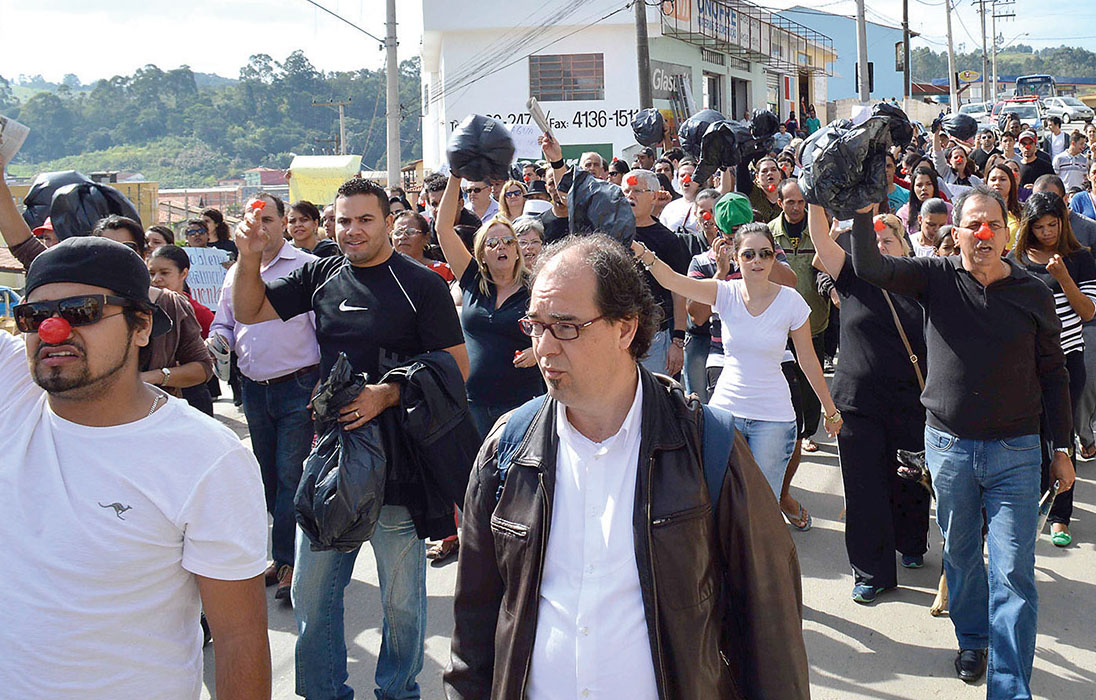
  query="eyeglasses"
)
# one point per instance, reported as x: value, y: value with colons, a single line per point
x: 749, y: 254
x: 530, y: 242
x: 514, y: 194
x: 560, y: 330
x: 496, y: 242
x: 473, y: 190
x: 82, y: 310
x: 197, y: 232
x: 406, y: 233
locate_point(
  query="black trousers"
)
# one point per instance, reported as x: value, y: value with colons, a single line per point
x: 1062, y: 509
x: 883, y: 512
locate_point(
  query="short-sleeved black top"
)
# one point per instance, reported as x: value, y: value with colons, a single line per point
x: 875, y: 372
x: 671, y: 250
x: 493, y: 336
x: 380, y: 316
x: 555, y: 227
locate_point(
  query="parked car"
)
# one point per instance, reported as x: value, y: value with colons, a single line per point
x: 978, y: 110
x: 1069, y: 109
x: 1031, y: 116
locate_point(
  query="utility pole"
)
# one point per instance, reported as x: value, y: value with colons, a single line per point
x: 906, y: 72
x: 985, y: 66
x: 862, y: 52
x: 392, y: 72
x: 995, y: 18
x: 953, y: 89
x: 341, y: 104
x: 643, y: 56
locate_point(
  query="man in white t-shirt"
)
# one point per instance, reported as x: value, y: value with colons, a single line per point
x: 1072, y: 164
x: 126, y: 511
x: 675, y: 215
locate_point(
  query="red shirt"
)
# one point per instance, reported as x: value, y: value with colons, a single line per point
x: 205, y: 316
x: 442, y: 269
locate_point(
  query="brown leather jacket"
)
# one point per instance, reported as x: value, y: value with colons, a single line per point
x: 722, y: 595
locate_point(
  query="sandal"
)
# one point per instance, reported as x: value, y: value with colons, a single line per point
x: 809, y: 445
x: 1088, y: 452
x: 1061, y: 538
x: 441, y: 551
x: 802, y: 522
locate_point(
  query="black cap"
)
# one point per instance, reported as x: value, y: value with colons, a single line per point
x: 99, y: 262
x: 647, y: 151
x: 538, y: 187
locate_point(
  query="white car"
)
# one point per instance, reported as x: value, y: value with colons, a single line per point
x: 978, y: 110
x: 1069, y: 109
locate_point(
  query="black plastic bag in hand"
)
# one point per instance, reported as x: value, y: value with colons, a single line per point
x: 40, y: 195
x: 720, y: 148
x: 959, y: 126
x: 339, y: 499
x: 599, y: 206
x: 844, y: 166
x: 763, y: 123
x: 648, y: 127
x: 76, y: 208
x: 900, y: 126
x: 692, y: 130
x: 480, y: 149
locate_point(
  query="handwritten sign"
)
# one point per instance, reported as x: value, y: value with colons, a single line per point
x: 207, y: 274
x: 525, y: 141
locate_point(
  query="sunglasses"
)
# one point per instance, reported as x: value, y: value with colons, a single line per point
x: 514, y: 194
x: 749, y: 254
x: 560, y: 330
x: 82, y: 310
x: 197, y: 232
x: 474, y: 190
x: 496, y: 242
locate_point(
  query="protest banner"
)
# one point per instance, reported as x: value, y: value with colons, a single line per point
x: 207, y: 274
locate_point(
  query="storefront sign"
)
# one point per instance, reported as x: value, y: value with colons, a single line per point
x: 662, y: 78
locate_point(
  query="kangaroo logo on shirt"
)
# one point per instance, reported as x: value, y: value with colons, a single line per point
x: 118, y: 508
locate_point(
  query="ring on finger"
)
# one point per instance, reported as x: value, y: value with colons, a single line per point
x: 357, y: 415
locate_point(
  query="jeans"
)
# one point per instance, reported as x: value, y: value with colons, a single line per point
x: 655, y: 359
x: 772, y: 444
x: 281, y: 437
x: 695, y: 375
x: 995, y: 609
x: 319, y: 580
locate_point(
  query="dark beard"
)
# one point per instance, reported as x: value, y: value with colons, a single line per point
x: 83, y: 385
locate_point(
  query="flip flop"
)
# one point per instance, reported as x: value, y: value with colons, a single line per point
x: 1088, y: 452
x: 801, y: 523
x: 1061, y: 538
x: 443, y: 550
x: 809, y: 445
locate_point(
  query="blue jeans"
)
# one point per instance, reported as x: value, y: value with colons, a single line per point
x: 655, y: 359
x: 319, y: 580
x: 281, y: 437
x: 772, y: 444
x: 997, y: 610
x: 695, y: 374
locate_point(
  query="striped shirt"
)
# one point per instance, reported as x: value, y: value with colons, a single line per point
x: 1082, y: 268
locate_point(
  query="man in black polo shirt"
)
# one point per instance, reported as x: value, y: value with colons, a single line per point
x: 380, y: 308
x: 1033, y: 163
x: 995, y: 364
x: 667, y: 353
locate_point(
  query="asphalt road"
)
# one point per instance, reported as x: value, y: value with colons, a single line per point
x: 889, y: 651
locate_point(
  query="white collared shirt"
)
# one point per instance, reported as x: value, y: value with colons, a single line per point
x: 591, y: 639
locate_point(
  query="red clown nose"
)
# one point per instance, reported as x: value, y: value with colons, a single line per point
x: 706, y: 215
x: 772, y: 188
x: 633, y: 180
x: 879, y: 225
x: 984, y: 232
x: 54, y: 330
x: 685, y: 180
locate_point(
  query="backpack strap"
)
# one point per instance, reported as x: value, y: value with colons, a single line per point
x: 513, y: 433
x: 718, y: 430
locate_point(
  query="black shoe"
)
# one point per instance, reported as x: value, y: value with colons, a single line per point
x: 207, y: 637
x: 970, y: 664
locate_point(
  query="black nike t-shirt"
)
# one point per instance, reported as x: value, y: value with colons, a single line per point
x: 380, y: 316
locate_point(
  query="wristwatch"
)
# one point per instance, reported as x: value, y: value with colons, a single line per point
x: 1063, y: 450
x: 167, y: 376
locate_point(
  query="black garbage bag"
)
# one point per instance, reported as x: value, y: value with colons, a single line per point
x: 341, y: 492
x: 900, y: 126
x: 648, y: 127
x: 76, y: 208
x: 959, y: 126
x: 844, y: 166
x: 720, y: 147
x: 480, y: 148
x: 40, y: 195
x: 692, y: 130
x: 763, y: 123
x: 599, y: 206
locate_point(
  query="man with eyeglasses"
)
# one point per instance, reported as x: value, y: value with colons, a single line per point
x: 129, y: 511
x: 995, y: 364
x: 608, y: 549
x: 480, y: 201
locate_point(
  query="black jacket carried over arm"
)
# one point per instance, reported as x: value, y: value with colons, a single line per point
x: 995, y: 357
x: 432, y: 442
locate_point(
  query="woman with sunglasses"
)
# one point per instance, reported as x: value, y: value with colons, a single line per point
x: 757, y: 316
x: 168, y: 268
x: 512, y: 200
x: 877, y: 389
x: 173, y: 360
x: 1048, y: 250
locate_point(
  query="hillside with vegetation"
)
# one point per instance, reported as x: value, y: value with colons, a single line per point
x: 1019, y: 59
x: 186, y: 129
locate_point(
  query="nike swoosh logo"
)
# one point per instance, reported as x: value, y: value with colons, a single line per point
x: 343, y: 306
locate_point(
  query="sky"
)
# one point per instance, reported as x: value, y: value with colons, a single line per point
x: 115, y: 37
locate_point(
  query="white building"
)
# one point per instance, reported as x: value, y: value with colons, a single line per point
x: 489, y: 56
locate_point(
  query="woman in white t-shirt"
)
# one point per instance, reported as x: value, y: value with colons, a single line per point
x: 757, y: 316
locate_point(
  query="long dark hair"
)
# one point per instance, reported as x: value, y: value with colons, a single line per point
x: 1037, y: 206
x: 915, y: 203
x: 1012, y: 202
x: 220, y: 228
x: 177, y: 256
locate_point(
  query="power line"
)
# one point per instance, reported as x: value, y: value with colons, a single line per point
x: 343, y: 19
